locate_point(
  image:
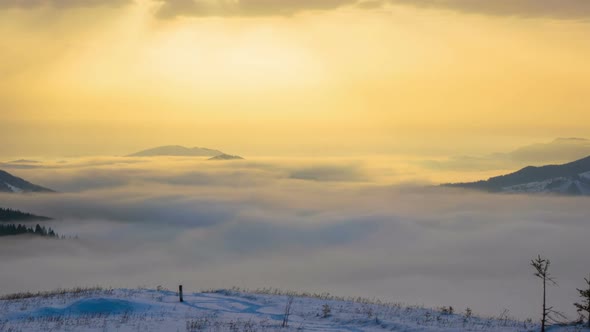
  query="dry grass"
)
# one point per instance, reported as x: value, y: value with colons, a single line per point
x: 77, y: 291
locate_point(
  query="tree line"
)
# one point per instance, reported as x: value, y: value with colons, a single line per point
x: 38, y: 230
x: 16, y: 215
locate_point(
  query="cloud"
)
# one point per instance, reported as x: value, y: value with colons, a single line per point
x: 557, y: 9
x: 174, y: 8
x: 561, y: 149
x: 27, y: 4
x: 171, y: 221
x: 88, y: 174
x: 467, y: 163
x: 330, y: 173
x: 558, y: 151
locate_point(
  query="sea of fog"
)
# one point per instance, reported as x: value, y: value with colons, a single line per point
x: 347, y: 227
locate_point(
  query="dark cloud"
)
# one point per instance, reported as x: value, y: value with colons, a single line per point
x: 343, y: 173
x: 24, y: 4
x: 174, y: 8
x: 18, y: 166
x: 558, y: 9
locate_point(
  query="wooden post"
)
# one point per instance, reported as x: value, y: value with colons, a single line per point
x: 180, y: 293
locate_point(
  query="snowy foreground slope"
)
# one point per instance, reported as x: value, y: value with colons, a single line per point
x: 153, y: 310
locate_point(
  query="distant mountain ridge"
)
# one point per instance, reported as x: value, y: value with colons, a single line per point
x: 557, y: 151
x: 12, y: 184
x: 226, y: 157
x: 572, y: 179
x: 561, y: 149
x: 177, y: 151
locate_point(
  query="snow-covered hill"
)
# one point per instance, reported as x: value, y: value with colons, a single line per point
x: 12, y: 184
x: 160, y: 310
x: 569, y: 179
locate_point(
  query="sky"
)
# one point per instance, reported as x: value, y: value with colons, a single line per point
x: 347, y: 112
x: 266, y: 77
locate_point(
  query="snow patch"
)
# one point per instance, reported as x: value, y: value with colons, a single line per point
x: 144, y: 310
x: 562, y: 185
x: 13, y: 188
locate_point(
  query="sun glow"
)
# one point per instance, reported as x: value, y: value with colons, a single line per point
x: 239, y: 59
x: 395, y: 79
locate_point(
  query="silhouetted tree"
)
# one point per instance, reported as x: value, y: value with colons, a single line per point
x: 584, y: 306
x: 541, y: 266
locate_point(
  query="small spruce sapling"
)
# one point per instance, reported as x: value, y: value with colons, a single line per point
x: 584, y: 305
x: 541, y: 266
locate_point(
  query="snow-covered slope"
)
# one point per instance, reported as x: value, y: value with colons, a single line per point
x: 570, y: 179
x: 576, y: 185
x: 153, y: 310
x: 13, y: 184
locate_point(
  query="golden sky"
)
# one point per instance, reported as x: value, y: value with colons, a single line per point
x: 276, y: 77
